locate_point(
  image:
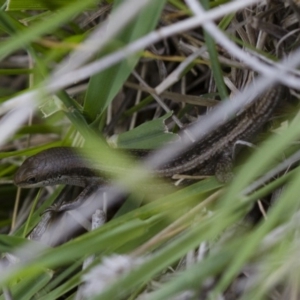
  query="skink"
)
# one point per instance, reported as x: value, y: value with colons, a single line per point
x: 210, y: 156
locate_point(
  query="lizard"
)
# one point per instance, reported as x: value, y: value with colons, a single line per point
x: 211, y: 155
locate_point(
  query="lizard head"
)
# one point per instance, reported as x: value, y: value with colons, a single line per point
x: 53, y: 166
x: 30, y: 174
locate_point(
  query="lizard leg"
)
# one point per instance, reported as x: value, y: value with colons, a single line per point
x: 223, y: 170
x: 81, y: 198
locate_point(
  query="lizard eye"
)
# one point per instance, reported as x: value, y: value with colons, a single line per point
x: 31, y: 180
